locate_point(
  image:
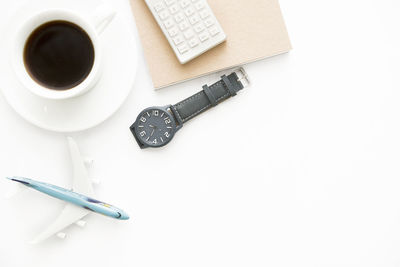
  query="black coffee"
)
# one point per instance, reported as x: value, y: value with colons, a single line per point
x: 59, y: 55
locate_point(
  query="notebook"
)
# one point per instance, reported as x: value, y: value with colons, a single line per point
x: 255, y: 30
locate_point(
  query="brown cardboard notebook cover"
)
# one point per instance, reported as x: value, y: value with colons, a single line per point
x: 255, y: 29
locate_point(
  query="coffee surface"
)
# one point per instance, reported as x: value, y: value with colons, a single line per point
x: 59, y: 55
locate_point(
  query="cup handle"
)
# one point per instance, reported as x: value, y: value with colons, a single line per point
x: 102, y: 16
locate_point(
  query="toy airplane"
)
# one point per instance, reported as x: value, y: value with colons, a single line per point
x: 80, y: 198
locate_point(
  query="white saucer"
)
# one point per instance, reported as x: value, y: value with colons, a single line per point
x: 86, y: 111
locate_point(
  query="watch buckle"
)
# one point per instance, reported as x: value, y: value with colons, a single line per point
x: 243, y: 77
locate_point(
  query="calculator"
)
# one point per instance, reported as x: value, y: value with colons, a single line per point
x: 190, y: 26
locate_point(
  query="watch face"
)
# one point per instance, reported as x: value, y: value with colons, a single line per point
x: 155, y: 127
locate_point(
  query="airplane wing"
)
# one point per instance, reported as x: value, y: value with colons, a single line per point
x: 69, y: 215
x: 81, y: 183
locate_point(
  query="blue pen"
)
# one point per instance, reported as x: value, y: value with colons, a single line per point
x: 74, y: 198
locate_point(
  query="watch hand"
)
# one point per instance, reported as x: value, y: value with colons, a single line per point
x: 152, y: 132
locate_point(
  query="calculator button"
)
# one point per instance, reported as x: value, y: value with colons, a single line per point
x: 173, y: 31
x: 168, y: 23
x: 199, y: 5
x: 193, y: 42
x: 179, y: 17
x: 199, y: 27
x: 189, y: 11
x: 214, y: 31
x: 158, y: 7
x: 173, y: 9
x: 169, y: 2
x: 204, y: 36
x: 178, y: 40
x: 163, y: 14
x: 188, y: 34
x: 183, y: 48
x: 184, y: 25
x: 209, y: 22
x: 204, y: 14
x: 184, y: 3
x: 194, y: 19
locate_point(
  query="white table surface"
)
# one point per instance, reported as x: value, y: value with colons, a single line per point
x: 301, y: 169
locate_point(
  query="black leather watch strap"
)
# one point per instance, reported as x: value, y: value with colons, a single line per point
x: 210, y: 96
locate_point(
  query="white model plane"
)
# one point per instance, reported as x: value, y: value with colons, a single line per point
x: 80, y: 197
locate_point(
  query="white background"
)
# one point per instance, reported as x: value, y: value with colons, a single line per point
x: 301, y: 169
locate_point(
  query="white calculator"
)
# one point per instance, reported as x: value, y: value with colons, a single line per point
x: 189, y: 25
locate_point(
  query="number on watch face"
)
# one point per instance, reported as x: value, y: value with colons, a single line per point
x: 155, y: 127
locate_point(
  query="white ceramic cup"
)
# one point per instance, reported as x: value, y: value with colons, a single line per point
x: 93, y: 24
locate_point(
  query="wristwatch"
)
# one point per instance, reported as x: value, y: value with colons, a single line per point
x: 156, y: 126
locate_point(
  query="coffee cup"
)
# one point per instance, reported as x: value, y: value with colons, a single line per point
x: 57, y: 54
